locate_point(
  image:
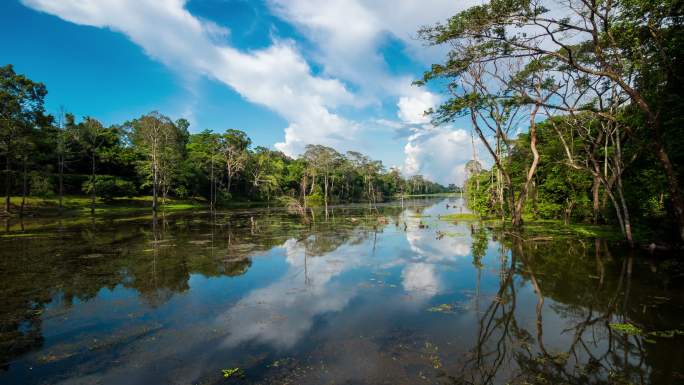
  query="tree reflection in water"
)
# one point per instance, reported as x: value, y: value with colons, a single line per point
x: 154, y: 257
x: 250, y: 287
x: 506, y: 352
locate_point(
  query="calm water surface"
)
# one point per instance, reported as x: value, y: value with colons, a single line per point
x: 393, y: 296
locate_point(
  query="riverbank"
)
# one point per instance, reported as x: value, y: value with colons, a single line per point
x: 549, y: 228
x: 75, y: 205
x: 436, y: 195
x: 78, y: 205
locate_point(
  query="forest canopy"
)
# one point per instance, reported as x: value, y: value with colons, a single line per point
x: 52, y: 156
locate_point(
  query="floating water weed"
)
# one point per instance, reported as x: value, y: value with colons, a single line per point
x: 233, y: 373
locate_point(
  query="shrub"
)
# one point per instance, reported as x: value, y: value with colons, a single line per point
x: 315, y: 199
x: 223, y: 197
x: 109, y: 187
x: 181, y: 192
x: 41, y: 186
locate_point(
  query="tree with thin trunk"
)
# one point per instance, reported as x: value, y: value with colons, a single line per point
x: 322, y: 161
x: 90, y: 134
x: 619, y: 43
x: 21, y: 108
x: 154, y: 134
x: 62, y: 151
x: 234, y: 145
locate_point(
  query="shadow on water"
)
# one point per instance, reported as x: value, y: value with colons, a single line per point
x: 386, y: 295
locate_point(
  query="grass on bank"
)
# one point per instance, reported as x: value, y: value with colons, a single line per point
x: 551, y: 227
x: 74, y: 205
x: 548, y: 227
x: 435, y: 195
x: 460, y: 217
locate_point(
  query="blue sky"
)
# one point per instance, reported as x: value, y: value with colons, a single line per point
x: 288, y: 72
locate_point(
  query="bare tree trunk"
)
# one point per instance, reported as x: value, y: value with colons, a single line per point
x: 60, y: 158
x: 8, y: 179
x: 155, y: 182
x: 212, y: 185
x: 325, y: 193
x: 568, y: 212
x: 24, y: 187
x: 165, y: 192
x: 618, y: 173
x: 508, y: 184
x: 673, y: 186
x: 595, y: 188
x: 93, y: 192
x: 302, y: 190
x: 60, y: 166
x: 517, y: 214
x: 625, y: 214
x: 230, y: 180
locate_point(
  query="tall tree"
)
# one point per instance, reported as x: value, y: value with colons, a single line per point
x: 266, y: 169
x: 21, y: 107
x: 322, y: 160
x: 234, y: 147
x: 90, y: 134
x: 155, y: 135
x: 615, y: 42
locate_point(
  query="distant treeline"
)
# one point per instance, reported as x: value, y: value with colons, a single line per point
x: 51, y: 156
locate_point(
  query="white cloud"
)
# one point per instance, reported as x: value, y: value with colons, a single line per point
x: 424, y: 245
x: 411, y: 109
x: 421, y: 279
x: 348, y: 34
x: 281, y: 313
x: 277, y: 77
x: 348, y: 38
x: 439, y: 153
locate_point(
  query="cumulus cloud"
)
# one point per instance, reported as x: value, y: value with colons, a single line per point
x: 348, y: 38
x: 439, y: 153
x: 426, y: 248
x: 412, y: 108
x: 348, y: 34
x: 277, y: 77
x: 281, y: 313
x: 421, y: 280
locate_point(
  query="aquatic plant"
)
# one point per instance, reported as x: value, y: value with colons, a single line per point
x: 233, y: 373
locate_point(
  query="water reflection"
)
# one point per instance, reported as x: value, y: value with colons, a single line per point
x: 388, y: 296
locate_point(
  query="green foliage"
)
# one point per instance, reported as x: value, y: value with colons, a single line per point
x: 109, y: 187
x: 632, y: 330
x: 445, y: 308
x: 181, y: 192
x: 479, y: 190
x: 612, y: 98
x: 479, y: 246
x: 233, y: 373
x: 41, y: 186
x: 156, y: 154
x: 315, y: 199
x: 460, y: 217
x: 626, y: 328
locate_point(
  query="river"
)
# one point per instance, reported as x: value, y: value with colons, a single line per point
x: 386, y: 295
